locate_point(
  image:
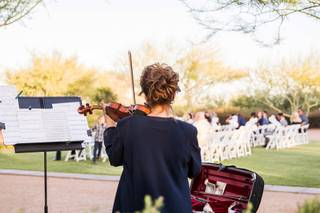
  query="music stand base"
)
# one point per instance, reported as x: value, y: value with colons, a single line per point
x: 47, y: 147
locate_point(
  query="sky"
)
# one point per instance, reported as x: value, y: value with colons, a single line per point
x: 98, y: 32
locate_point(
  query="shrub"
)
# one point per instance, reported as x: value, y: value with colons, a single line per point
x: 310, y: 206
x: 152, y: 206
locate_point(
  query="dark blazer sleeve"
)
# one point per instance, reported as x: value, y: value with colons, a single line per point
x: 194, y: 164
x: 114, y: 145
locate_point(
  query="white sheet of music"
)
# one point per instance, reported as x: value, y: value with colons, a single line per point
x: 76, y: 124
x: 9, y: 114
x: 31, y: 126
x: 57, y: 124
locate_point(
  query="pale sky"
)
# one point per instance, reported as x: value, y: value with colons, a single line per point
x: 99, y: 31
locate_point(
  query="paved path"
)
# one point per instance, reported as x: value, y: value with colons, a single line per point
x: 24, y: 194
x: 94, y: 194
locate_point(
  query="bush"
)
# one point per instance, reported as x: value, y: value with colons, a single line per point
x: 152, y: 206
x: 310, y: 206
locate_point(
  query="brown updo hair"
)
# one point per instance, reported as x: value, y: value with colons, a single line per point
x: 159, y: 83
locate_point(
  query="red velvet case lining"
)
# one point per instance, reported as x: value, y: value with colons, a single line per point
x: 238, y: 189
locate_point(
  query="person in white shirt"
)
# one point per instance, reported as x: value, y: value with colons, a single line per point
x: 214, y: 119
x: 204, y: 130
x: 273, y: 120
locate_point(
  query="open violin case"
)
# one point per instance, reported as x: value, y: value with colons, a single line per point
x: 225, y: 189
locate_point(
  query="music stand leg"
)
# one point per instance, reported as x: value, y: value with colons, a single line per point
x: 45, y: 184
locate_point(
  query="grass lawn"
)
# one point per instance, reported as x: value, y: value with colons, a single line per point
x: 297, y: 166
x: 34, y: 161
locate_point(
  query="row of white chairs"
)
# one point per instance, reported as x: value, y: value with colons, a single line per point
x: 289, y: 136
x: 228, y: 143
x: 260, y: 133
x: 224, y: 145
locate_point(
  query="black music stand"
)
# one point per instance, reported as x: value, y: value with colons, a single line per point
x: 44, y: 103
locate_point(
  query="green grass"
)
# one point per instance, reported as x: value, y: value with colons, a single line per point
x: 297, y: 166
x: 34, y: 161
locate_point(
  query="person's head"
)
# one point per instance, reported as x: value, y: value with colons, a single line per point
x: 295, y: 118
x: 228, y: 118
x: 199, y: 116
x: 159, y: 84
x: 279, y: 116
x: 265, y: 114
x: 300, y: 111
x: 259, y: 114
x: 253, y: 115
x: 207, y: 115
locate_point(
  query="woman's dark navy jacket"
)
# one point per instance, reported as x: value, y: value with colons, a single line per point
x: 158, y: 155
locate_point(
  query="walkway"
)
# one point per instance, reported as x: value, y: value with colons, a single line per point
x: 23, y: 193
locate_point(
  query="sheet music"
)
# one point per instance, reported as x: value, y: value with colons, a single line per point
x: 77, y: 124
x: 31, y: 126
x: 59, y: 123
x: 55, y: 125
x: 8, y: 114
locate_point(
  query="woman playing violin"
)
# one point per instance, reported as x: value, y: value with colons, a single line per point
x: 158, y: 153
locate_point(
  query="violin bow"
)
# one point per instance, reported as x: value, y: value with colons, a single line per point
x: 132, y: 80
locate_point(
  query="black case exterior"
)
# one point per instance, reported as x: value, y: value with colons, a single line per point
x: 257, y: 193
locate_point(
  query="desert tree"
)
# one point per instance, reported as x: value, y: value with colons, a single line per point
x: 285, y: 88
x: 14, y: 10
x: 55, y: 75
x: 250, y: 16
x: 200, y: 70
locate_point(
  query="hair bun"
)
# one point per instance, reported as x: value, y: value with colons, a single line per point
x: 159, y: 83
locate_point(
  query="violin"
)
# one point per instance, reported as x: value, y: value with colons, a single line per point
x: 116, y: 111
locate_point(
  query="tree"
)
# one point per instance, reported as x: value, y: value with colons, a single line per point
x: 14, y: 10
x: 57, y: 76
x: 249, y: 16
x: 103, y: 94
x: 198, y: 66
x: 200, y: 70
x: 287, y: 87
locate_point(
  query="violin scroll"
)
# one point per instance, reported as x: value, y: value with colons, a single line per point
x: 87, y: 109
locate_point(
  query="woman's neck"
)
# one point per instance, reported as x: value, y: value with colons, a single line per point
x: 161, y: 111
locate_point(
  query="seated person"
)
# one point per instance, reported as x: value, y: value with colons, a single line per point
x: 241, y: 120
x: 263, y: 118
x: 253, y: 120
x: 303, y: 117
x: 295, y: 118
x: 282, y: 120
x: 214, y: 119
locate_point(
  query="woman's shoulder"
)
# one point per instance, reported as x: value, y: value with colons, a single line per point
x: 187, y: 126
x: 125, y: 120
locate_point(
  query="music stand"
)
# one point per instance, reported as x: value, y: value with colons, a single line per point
x: 45, y: 103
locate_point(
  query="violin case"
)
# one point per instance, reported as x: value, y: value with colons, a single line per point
x: 225, y: 189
